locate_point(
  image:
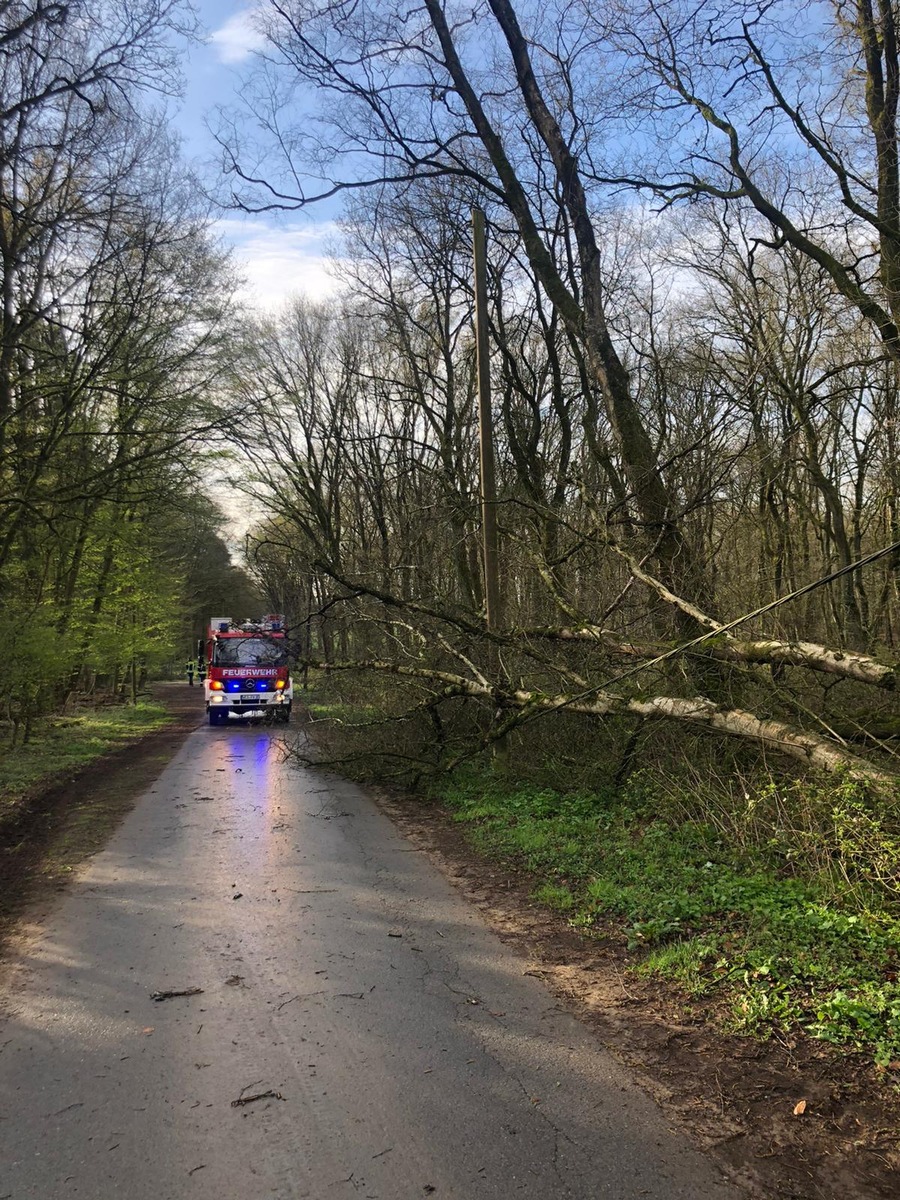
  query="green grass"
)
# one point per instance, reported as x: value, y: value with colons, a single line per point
x: 779, y: 951
x: 61, y: 745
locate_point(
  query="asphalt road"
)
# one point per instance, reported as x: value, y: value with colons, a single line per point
x: 407, y: 1052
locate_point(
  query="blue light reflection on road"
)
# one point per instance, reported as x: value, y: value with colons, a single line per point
x: 247, y: 757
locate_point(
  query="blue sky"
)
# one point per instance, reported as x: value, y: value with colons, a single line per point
x: 278, y: 256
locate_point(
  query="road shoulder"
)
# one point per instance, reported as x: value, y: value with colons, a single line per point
x: 68, y: 820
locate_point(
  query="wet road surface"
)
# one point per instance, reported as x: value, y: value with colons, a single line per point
x: 408, y: 1054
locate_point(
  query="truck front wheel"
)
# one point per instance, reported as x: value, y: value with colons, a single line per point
x: 215, y: 718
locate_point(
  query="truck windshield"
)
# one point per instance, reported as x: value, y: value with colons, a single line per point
x: 249, y: 652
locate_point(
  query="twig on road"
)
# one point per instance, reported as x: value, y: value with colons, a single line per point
x: 269, y: 1094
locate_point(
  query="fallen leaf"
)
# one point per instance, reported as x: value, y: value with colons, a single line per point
x: 799, y: 1108
x: 149, y: 1029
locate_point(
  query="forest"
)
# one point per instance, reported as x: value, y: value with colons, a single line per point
x: 688, y: 594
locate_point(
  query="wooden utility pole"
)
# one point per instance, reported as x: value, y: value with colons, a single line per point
x: 490, y: 539
x: 491, y: 554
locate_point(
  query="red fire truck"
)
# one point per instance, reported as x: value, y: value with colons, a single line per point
x: 246, y: 668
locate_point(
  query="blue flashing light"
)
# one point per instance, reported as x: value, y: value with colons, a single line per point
x: 234, y: 685
x: 262, y: 685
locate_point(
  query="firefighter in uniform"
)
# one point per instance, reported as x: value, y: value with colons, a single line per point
x: 190, y: 668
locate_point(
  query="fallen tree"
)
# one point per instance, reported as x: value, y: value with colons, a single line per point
x: 720, y: 643
x: 501, y: 666
x: 814, y: 750
x: 846, y: 664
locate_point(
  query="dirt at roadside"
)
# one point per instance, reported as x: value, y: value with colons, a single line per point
x: 791, y: 1119
x: 65, y: 821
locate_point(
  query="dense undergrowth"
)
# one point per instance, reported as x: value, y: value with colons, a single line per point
x: 61, y: 744
x: 774, y: 898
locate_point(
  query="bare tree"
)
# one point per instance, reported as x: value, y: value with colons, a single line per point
x: 758, y: 103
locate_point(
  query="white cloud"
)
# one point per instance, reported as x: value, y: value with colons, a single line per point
x: 281, y: 261
x: 238, y: 37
